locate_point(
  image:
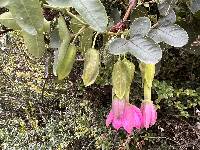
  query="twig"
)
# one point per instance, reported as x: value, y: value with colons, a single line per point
x: 131, y: 6
x: 67, y: 11
x: 79, y: 32
x: 75, y: 17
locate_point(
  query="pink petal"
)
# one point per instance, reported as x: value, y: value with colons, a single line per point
x: 117, y: 123
x: 153, y: 116
x: 138, y: 119
x: 109, y: 118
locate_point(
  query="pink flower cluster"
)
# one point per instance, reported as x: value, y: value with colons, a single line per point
x: 128, y: 116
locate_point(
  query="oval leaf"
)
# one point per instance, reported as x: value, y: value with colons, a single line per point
x: 118, y: 46
x: 34, y: 43
x: 119, y: 79
x: 28, y: 15
x: 65, y: 65
x: 172, y: 35
x: 93, y: 12
x: 91, y: 67
x: 64, y: 33
x: 140, y: 26
x: 145, y: 49
x: 7, y: 20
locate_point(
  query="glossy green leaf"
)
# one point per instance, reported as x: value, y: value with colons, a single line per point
x: 140, y: 26
x: 34, y: 43
x: 28, y: 15
x: 93, y: 12
x: 65, y: 64
x: 173, y: 35
x: 91, y: 66
x: 7, y: 20
x: 119, y: 79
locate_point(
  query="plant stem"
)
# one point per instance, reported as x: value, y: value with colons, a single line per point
x: 78, y: 33
x: 131, y: 6
x: 75, y: 17
x: 67, y: 11
x: 94, y: 41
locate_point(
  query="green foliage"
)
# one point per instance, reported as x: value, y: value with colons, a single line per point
x: 44, y: 113
x: 7, y: 20
x: 180, y: 99
x: 28, y: 15
x: 91, y: 66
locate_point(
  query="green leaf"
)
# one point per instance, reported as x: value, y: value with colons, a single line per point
x: 59, y: 3
x: 172, y: 35
x: 86, y: 36
x: 195, y: 6
x: 119, y: 79
x: 63, y: 30
x: 55, y: 41
x: 91, y: 66
x: 7, y: 20
x: 4, y: 3
x: 166, y: 6
x: 34, y: 43
x: 168, y: 20
x: 65, y: 64
x: 46, y: 26
x: 130, y: 69
x: 140, y: 26
x: 93, y: 12
x: 118, y: 46
x: 144, y: 49
x: 28, y: 15
x: 66, y: 54
x: 55, y: 58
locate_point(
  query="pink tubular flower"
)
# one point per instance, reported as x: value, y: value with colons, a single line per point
x: 124, y: 115
x: 149, y: 113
